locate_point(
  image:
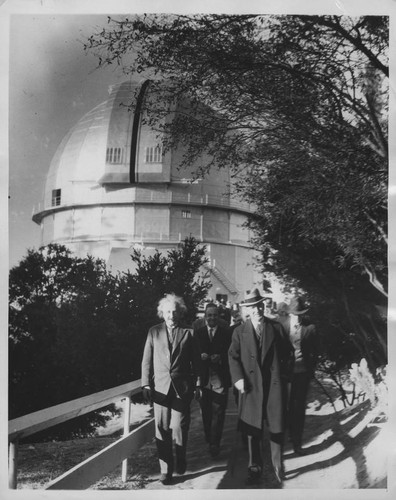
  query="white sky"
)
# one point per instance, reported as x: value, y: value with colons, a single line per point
x: 53, y: 83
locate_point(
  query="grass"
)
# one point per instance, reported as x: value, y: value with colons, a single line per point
x: 40, y: 463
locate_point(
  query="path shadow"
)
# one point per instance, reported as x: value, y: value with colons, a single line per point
x: 341, y: 425
x: 194, y: 475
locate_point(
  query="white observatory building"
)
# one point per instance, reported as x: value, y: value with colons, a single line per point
x: 111, y: 187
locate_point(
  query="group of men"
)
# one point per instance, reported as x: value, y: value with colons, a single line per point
x: 269, y: 362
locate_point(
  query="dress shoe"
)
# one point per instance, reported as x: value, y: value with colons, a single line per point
x: 166, y: 479
x: 300, y: 451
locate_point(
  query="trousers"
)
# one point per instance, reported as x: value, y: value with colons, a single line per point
x: 297, y: 403
x: 172, y: 421
x: 213, y: 407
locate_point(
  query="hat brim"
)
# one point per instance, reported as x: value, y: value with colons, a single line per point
x: 247, y: 304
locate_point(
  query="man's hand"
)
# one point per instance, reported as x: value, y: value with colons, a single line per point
x: 198, y: 393
x: 147, y: 394
x: 215, y: 358
x: 204, y: 356
x: 240, y: 385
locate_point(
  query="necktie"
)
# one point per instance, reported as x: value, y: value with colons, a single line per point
x: 211, y: 334
x: 259, y: 332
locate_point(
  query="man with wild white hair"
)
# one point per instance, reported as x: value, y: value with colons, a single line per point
x: 170, y: 377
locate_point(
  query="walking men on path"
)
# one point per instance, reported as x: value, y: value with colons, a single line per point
x: 171, y: 367
x: 260, y: 358
x: 214, y: 340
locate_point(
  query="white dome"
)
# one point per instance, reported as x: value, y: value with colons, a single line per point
x: 110, y: 187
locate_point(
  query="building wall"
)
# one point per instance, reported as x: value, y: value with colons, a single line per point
x: 152, y: 222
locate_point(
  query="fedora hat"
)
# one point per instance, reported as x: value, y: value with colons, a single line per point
x: 297, y: 306
x: 252, y: 298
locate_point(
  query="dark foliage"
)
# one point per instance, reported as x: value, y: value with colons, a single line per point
x: 76, y: 329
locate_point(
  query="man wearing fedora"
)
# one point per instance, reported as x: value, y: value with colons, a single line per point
x: 259, y: 359
x: 304, y: 338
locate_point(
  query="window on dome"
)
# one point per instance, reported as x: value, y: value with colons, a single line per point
x: 114, y: 155
x: 56, y: 198
x: 153, y: 154
x: 186, y: 214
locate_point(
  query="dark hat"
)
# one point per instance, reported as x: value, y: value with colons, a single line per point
x: 297, y: 306
x: 252, y: 298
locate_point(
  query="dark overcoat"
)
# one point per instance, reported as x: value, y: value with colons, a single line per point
x: 262, y: 373
x: 309, y: 344
x: 179, y: 366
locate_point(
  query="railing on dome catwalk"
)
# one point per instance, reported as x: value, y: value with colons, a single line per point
x: 92, y: 469
x: 149, y: 196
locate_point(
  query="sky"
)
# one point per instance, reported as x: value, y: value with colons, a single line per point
x: 53, y: 83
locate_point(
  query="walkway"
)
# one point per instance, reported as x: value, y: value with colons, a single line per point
x: 346, y: 451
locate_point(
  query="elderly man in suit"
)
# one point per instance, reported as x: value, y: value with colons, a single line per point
x: 170, y: 377
x: 259, y: 359
x: 214, y: 340
x: 304, y: 338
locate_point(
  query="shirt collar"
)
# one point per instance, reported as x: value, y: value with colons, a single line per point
x: 214, y: 328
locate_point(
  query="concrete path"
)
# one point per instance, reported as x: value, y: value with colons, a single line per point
x: 346, y: 451
x: 227, y: 471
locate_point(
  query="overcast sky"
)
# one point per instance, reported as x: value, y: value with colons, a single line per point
x: 53, y: 83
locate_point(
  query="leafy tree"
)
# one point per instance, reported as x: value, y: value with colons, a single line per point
x: 296, y: 107
x: 61, y: 339
x: 76, y: 329
x: 177, y: 271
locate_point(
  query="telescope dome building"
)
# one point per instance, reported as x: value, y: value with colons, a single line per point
x: 110, y: 187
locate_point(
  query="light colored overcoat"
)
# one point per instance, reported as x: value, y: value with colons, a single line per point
x: 246, y: 363
x: 179, y: 366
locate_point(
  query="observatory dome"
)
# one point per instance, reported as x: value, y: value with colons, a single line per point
x: 111, y: 186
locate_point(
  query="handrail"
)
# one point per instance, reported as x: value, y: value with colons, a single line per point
x: 90, y: 470
x: 149, y: 197
x: 43, y: 419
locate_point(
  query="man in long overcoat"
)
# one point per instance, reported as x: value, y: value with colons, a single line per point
x: 171, y: 368
x: 305, y: 341
x: 214, y: 340
x: 259, y: 360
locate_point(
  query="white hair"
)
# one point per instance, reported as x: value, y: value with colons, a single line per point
x: 171, y: 298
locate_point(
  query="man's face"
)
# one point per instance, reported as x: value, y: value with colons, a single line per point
x: 256, y: 312
x: 212, y: 316
x: 171, y: 314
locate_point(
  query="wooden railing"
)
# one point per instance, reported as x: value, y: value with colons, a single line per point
x: 91, y: 470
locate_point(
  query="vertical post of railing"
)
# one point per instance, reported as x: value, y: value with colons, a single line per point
x: 12, y: 465
x: 127, y: 418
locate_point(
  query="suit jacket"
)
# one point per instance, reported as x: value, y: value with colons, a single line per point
x: 262, y: 373
x: 180, y: 367
x: 218, y: 374
x: 309, y: 344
